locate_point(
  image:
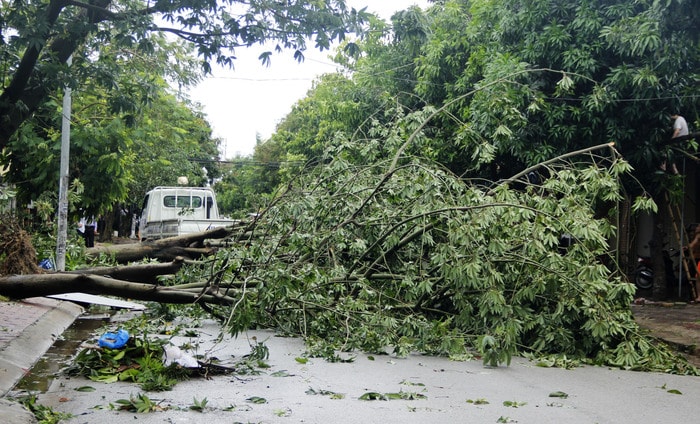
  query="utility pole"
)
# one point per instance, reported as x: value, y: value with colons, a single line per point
x: 63, y: 179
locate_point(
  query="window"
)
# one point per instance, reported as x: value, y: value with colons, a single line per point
x: 182, y: 202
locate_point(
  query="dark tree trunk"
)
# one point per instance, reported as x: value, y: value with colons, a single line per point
x: 23, y: 286
x: 141, y: 273
x: 190, y: 246
x: 656, y: 246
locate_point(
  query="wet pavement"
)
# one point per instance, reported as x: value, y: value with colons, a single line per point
x: 28, y: 328
x: 416, y: 389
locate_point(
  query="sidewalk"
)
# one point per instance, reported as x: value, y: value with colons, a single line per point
x: 27, y: 330
x: 677, y: 323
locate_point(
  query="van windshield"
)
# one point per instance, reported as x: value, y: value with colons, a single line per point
x: 182, y: 202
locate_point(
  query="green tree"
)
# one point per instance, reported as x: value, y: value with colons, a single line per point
x: 247, y: 183
x: 113, y: 135
x: 334, y: 104
x: 170, y: 140
x: 562, y: 75
x: 399, y: 252
x: 339, y: 107
x: 38, y: 37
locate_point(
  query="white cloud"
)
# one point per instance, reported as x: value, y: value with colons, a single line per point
x: 252, y: 98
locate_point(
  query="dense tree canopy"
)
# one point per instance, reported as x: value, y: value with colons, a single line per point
x: 124, y: 55
x: 38, y: 37
x: 553, y: 76
x: 150, y: 142
x: 577, y: 73
x: 508, y: 84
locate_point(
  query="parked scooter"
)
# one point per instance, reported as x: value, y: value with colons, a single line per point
x: 643, y: 274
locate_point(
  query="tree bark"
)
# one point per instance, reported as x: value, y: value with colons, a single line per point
x: 23, y: 286
x: 137, y: 282
x: 656, y: 245
x: 141, y: 273
x: 190, y: 246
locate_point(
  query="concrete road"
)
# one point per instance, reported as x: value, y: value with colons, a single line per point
x: 443, y: 391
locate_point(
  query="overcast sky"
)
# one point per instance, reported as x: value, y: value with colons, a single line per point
x: 252, y: 99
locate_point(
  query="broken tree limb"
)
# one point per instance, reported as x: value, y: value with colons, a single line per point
x: 125, y: 253
x: 190, y: 246
x: 138, y: 273
x: 33, y: 285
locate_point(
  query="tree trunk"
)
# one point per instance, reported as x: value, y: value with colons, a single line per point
x: 141, y: 273
x: 659, y: 288
x: 106, y: 230
x: 33, y: 285
x: 137, y: 282
x: 190, y: 246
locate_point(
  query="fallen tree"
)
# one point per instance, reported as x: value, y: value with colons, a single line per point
x: 22, y: 286
x: 403, y: 254
x: 22, y: 278
x: 191, y: 246
x: 141, y: 273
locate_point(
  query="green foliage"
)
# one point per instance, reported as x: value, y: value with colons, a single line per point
x: 392, y: 396
x: 6, y: 195
x: 43, y: 35
x: 322, y: 392
x: 140, y: 361
x: 594, y: 73
x: 401, y: 254
x: 247, y: 183
x: 519, y: 81
x: 47, y: 203
x: 153, y: 148
x: 124, y: 123
x: 513, y: 404
x: 76, y: 258
x: 43, y: 414
x: 199, y: 405
x: 138, y: 403
x: 45, y: 245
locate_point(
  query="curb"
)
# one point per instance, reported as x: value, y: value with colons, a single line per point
x: 49, y: 319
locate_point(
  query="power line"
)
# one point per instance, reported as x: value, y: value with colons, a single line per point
x: 248, y: 162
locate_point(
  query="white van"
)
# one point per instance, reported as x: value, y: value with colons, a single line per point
x: 175, y: 211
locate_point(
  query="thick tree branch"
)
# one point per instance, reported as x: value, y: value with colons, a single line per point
x: 140, y: 273
x: 23, y: 286
x: 97, y: 9
x: 22, y: 97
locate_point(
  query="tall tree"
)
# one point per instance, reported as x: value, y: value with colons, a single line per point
x: 116, y: 131
x: 562, y: 75
x: 382, y: 66
x: 38, y: 37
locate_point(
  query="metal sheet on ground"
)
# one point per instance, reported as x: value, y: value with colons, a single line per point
x: 98, y: 300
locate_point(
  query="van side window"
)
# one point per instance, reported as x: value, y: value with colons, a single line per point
x: 182, y: 202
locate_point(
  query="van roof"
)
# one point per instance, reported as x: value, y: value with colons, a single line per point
x: 183, y: 188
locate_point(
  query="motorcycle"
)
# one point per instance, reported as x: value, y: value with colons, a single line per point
x: 643, y: 275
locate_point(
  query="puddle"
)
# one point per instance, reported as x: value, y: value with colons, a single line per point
x: 59, y: 354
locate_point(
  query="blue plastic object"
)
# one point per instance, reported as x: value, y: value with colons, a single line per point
x: 46, y: 264
x: 114, y: 340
